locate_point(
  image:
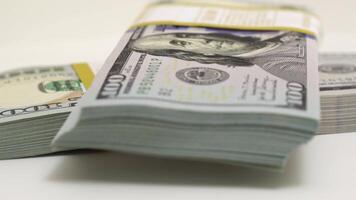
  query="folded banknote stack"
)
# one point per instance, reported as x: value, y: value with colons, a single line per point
x: 35, y: 104
x: 221, y: 81
x: 338, y: 93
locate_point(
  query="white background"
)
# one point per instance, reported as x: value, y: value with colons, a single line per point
x: 35, y: 32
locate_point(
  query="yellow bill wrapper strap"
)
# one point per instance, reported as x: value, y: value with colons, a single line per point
x: 84, y: 73
x: 229, y: 15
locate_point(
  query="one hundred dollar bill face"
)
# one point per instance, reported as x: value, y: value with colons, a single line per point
x: 212, y: 69
x: 37, y: 91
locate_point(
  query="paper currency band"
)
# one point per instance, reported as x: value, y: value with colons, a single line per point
x: 229, y: 15
x: 84, y: 73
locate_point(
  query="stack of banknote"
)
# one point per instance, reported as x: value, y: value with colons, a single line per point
x: 338, y: 93
x: 34, y: 104
x: 231, y: 95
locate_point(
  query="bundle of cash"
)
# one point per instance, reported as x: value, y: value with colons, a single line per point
x: 338, y: 93
x: 235, y: 84
x: 35, y: 103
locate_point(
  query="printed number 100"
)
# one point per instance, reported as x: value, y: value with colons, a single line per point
x: 295, y: 93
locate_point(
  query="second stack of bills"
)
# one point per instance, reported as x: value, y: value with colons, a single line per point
x: 338, y: 93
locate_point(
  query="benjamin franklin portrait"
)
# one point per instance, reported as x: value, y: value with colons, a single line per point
x: 283, y: 55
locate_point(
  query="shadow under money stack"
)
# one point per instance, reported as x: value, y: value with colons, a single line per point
x: 224, y: 95
x: 338, y: 93
x: 35, y: 103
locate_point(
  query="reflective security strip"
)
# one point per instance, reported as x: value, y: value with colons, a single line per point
x: 84, y: 73
x: 229, y: 15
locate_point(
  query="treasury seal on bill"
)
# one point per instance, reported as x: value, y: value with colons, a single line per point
x: 202, y: 75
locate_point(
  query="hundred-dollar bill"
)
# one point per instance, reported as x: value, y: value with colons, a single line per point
x: 35, y: 103
x: 206, y: 69
x: 210, y: 92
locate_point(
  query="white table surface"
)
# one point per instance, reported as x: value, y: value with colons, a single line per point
x: 37, y: 32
